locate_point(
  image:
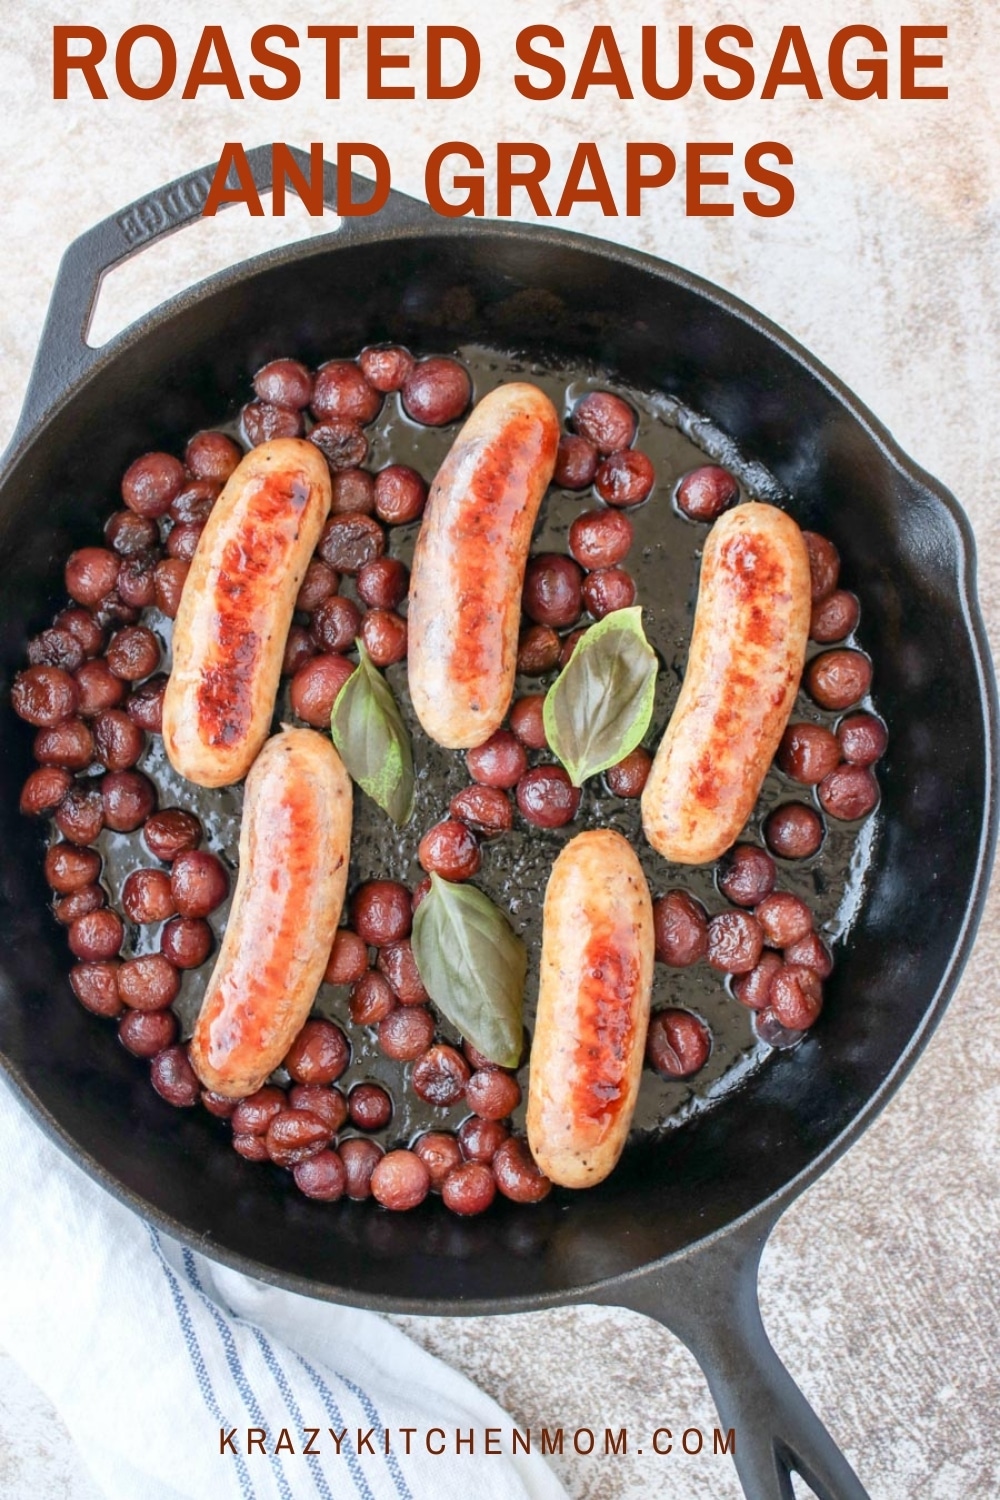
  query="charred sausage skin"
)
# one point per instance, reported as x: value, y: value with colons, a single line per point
x: 236, y: 609
x: 593, y: 1008
x: 294, y: 851
x: 469, y: 564
x: 747, y: 652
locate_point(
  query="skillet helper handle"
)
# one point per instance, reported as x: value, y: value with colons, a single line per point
x: 64, y: 355
x: 709, y: 1300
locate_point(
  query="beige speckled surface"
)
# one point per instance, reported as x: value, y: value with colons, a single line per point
x: 880, y: 1285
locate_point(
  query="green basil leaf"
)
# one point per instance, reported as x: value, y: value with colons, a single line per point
x: 473, y: 966
x: 369, y: 732
x: 601, y: 704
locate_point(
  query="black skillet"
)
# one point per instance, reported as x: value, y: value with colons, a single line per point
x: 678, y: 1229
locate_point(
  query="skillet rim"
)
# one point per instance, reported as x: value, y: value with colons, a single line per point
x: 419, y: 222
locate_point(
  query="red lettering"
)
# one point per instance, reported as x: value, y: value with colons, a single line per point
x: 378, y: 61
x: 201, y: 76
x: 587, y: 158
x: 346, y: 205
x: 288, y: 69
x: 602, y: 39
x: 549, y: 65
x: 741, y: 66
x: 85, y: 62
x: 332, y: 36
x: 780, y: 184
x: 436, y: 88
x: 636, y: 179
x: 285, y: 169
x: 123, y: 62
x: 790, y: 41
x: 234, y: 158
x: 910, y: 60
x: 698, y: 178
x: 474, y: 201
x: 531, y: 180
x: 685, y: 64
x: 877, y: 68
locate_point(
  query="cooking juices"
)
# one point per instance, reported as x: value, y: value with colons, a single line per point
x: 380, y: 1096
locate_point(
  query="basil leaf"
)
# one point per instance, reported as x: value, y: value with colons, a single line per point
x: 473, y: 966
x: 373, y: 741
x: 601, y: 704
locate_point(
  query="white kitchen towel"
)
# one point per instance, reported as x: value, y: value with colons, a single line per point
x: 157, y: 1359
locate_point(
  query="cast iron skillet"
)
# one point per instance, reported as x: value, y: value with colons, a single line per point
x: 676, y: 1232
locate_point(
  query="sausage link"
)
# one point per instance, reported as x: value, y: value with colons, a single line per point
x: 294, y: 847
x: 468, y: 568
x: 593, y: 1008
x: 236, y: 609
x: 747, y: 652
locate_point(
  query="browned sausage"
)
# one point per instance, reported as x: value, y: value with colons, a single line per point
x: 468, y: 569
x: 747, y: 652
x: 294, y: 847
x: 593, y: 1008
x: 236, y: 610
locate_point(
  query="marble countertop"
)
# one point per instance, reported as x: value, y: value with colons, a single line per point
x: 879, y: 1286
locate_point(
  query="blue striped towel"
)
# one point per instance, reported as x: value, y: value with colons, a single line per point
x: 167, y: 1368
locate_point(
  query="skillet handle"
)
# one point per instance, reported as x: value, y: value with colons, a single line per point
x: 64, y: 355
x: 709, y: 1300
